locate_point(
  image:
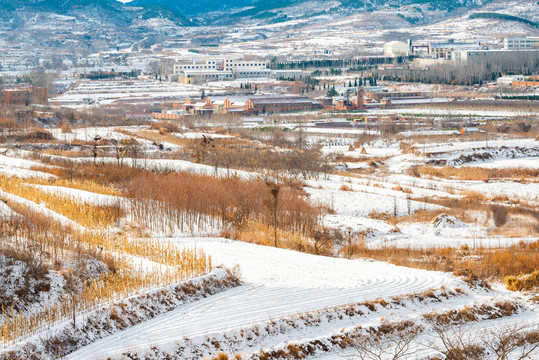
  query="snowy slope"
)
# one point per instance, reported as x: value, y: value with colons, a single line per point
x: 278, y: 283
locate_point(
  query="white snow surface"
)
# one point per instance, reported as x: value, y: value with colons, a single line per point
x: 12, y: 166
x: 278, y: 283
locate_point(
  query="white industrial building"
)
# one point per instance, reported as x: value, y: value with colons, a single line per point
x: 233, y: 64
x: 218, y: 68
x: 517, y: 43
x: 195, y: 64
x: 198, y: 76
x: 396, y: 48
x: 497, y: 57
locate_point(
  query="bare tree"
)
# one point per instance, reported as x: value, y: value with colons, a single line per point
x: 511, y: 342
x: 97, y: 138
x: 272, y: 204
x: 122, y: 148
x: 72, y: 286
x: 455, y: 343
x: 201, y: 147
x: 324, y: 240
x: 389, y: 341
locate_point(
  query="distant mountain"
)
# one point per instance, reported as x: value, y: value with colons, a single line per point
x: 264, y: 8
x: 191, y: 8
x: 109, y: 9
x: 59, y: 5
x: 188, y: 12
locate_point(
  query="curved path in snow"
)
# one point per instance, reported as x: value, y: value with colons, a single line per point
x: 278, y: 283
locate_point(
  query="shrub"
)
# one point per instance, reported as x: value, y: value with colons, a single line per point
x: 499, y: 214
x: 522, y: 282
x: 66, y: 128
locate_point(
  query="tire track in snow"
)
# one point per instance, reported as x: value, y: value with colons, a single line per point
x: 278, y: 283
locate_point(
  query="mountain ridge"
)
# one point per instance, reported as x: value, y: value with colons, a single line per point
x: 181, y: 10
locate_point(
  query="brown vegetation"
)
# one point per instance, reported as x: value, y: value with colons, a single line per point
x: 523, y: 282
x: 51, y: 243
x: 232, y: 201
x: 480, y: 263
x: 475, y: 173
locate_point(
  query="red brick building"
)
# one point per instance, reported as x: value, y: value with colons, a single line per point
x: 279, y: 103
x: 24, y: 96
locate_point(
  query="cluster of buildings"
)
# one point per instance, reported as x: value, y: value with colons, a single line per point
x: 521, y: 49
x: 24, y: 96
x: 209, y: 68
x: 377, y: 98
x: 380, y: 98
x: 238, y: 105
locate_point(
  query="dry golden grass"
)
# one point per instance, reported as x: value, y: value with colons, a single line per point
x: 477, y: 173
x: 65, y: 128
x: 481, y: 263
x: 124, y: 280
x: 157, y: 137
x: 402, y: 189
x: 89, y: 186
x: 87, y: 215
x: 107, y: 175
x: 523, y: 282
x: 259, y: 233
x: 165, y: 127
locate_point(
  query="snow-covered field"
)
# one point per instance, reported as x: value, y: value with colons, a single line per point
x: 277, y: 283
x: 277, y: 290
x: 95, y: 93
x: 283, y: 287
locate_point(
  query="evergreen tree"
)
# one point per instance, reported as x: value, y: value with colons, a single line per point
x: 332, y: 92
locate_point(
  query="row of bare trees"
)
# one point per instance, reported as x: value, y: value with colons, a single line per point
x: 289, y: 163
x: 406, y: 339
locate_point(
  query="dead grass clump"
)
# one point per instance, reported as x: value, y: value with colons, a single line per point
x: 345, y: 187
x: 66, y: 128
x: 477, y: 264
x: 408, y: 149
x: 377, y: 215
x: 33, y: 135
x: 165, y: 127
x: 473, y: 313
x: 523, y: 282
x: 422, y: 216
